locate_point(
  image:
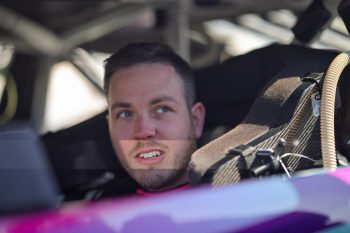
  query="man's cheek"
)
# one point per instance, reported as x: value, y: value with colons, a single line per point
x: 123, y: 156
x: 174, y: 132
x: 124, y: 147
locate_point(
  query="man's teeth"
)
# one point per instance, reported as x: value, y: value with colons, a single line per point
x: 149, y: 154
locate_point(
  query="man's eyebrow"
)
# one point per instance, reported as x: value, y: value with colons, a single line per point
x: 120, y: 105
x: 163, y: 98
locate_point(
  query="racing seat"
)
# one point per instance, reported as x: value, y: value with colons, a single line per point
x: 253, y: 147
x: 271, y: 111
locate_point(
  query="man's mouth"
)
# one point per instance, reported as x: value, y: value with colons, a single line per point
x: 151, y: 154
x: 150, y: 157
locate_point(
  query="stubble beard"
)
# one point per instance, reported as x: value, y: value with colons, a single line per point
x: 154, y: 179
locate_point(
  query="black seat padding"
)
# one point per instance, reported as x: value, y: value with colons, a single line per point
x: 82, y: 153
x: 228, y: 90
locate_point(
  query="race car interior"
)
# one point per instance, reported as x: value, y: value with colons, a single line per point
x: 253, y: 99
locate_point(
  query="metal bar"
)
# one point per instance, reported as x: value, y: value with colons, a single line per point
x: 178, y: 32
x: 40, y: 92
x: 40, y: 38
x: 104, y: 25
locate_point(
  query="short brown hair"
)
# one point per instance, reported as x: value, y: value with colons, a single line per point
x: 150, y: 53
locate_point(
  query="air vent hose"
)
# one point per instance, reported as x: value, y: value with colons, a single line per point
x: 327, y: 110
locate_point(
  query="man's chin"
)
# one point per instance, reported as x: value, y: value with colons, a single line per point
x: 157, y: 179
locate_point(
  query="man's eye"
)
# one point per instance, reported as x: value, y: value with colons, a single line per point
x: 124, y: 114
x: 163, y: 109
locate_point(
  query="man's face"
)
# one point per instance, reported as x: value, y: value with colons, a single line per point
x: 152, y: 130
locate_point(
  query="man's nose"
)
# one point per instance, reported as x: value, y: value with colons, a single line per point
x: 145, y: 128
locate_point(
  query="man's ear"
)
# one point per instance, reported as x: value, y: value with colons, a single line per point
x: 198, y: 117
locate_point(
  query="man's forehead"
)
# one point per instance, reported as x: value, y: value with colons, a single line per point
x: 150, y: 102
